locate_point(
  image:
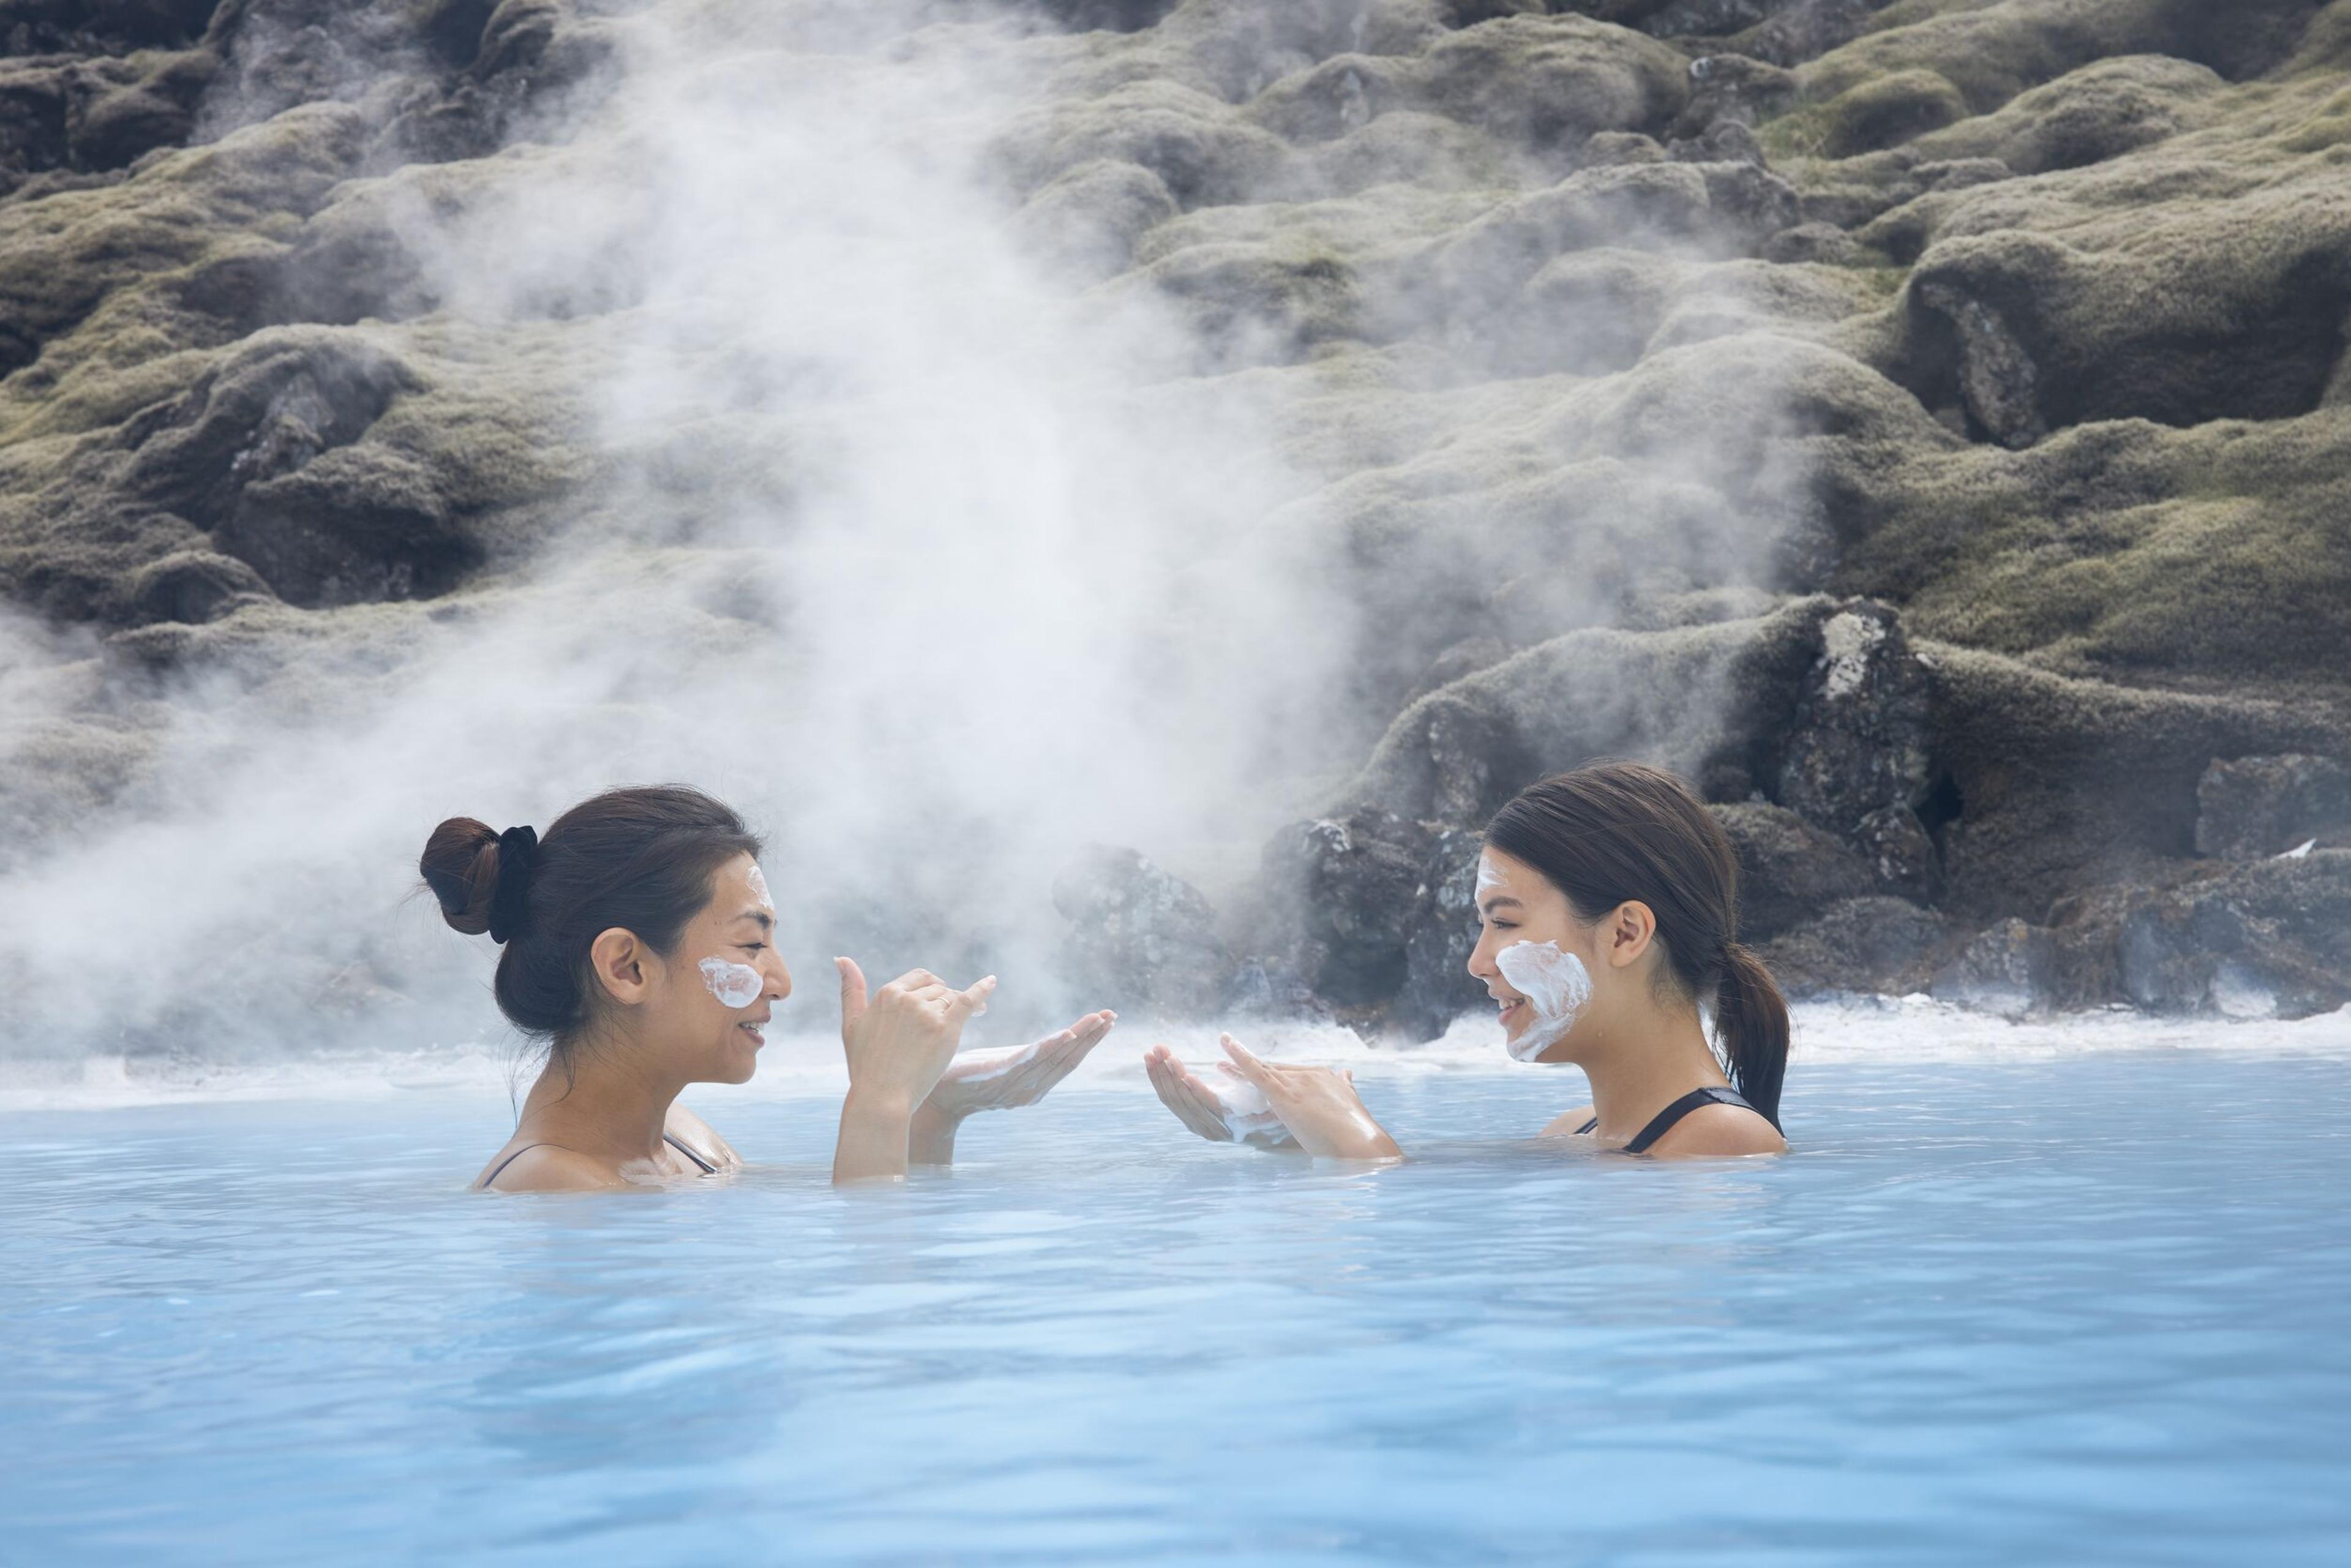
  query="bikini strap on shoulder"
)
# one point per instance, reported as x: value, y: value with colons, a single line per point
x: 1663, y: 1122
x: 489, y: 1181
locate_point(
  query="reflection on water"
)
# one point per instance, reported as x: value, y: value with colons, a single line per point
x: 2088, y: 1307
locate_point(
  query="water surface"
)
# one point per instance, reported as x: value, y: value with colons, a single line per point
x: 2087, y: 1309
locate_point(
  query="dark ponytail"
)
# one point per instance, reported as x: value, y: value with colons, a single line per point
x: 641, y: 860
x: 1750, y: 1018
x: 1620, y: 832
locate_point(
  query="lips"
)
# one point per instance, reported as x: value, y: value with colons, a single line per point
x: 751, y: 1028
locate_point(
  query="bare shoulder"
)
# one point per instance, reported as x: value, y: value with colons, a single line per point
x: 1567, y: 1123
x: 701, y: 1137
x: 543, y: 1167
x: 1721, y: 1130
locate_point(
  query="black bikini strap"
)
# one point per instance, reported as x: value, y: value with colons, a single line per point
x: 1587, y: 1126
x: 1662, y: 1122
x: 671, y: 1141
x: 489, y: 1180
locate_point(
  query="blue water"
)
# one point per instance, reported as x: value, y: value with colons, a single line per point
x: 2089, y: 1310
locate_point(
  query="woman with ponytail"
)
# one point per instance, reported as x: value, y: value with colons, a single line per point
x: 1608, y: 910
x: 638, y: 941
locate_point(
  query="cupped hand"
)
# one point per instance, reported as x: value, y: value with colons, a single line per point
x: 900, y: 1039
x: 1318, y: 1104
x: 1225, y: 1108
x: 1014, y: 1075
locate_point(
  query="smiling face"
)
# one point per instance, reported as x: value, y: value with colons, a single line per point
x: 1533, y: 956
x: 724, y: 978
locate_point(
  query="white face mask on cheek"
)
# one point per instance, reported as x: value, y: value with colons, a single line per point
x: 735, y: 985
x: 1556, y: 986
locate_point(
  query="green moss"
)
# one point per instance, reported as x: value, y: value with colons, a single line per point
x: 2241, y: 569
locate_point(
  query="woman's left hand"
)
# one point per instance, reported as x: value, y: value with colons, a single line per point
x: 1318, y: 1104
x: 998, y: 1080
x: 1016, y: 1074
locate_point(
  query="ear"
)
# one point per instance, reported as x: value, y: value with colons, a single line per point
x: 622, y: 965
x: 1628, y: 933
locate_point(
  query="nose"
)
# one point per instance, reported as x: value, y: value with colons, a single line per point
x: 780, y: 980
x: 1481, y: 965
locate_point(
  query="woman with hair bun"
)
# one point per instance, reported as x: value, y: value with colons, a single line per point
x: 637, y: 941
x: 1608, y: 910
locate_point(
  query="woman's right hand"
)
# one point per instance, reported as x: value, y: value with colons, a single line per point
x: 898, y: 1042
x: 1223, y: 1109
x: 1318, y: 1104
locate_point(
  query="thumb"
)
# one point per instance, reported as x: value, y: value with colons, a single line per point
x: 852, y: 995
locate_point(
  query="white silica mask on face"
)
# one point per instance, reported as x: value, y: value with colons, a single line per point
x: 1556, y: 986
x: 759, y: 888
x: 735, y: 985
x: 1488, y: 877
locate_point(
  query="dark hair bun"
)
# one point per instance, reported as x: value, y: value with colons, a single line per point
x: 460, y: 864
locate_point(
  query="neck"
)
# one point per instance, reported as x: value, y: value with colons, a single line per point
x: 1642, y: 1064
x: 609, y: 1106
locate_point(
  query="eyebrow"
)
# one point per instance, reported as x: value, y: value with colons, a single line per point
x: 1491, y: 904
x: 766, y: 921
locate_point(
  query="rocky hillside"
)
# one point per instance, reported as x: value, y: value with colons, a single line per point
x: 1922, y: 423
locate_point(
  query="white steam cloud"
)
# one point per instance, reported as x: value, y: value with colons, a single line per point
x: 898, y: 540
x: 1002, y: 599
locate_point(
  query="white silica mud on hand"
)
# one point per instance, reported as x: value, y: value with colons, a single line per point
x: 735, y: 985
x: 759, y: 888
x: 1248, y: 1114
x: 978, y: 1066
x: 1556, y: 986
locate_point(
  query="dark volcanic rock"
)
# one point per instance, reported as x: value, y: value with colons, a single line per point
x: 2271, y: 938
x: 1438, y: 986
x: 1789, y: 871
x: 1859, y: 742
x: 1899, y: 847
x: 1887, y: 945
x: 1340, y: 901
x: 2008, y: 969
x: 2258, y: 806
x: 355, y: 527
x: 261, y: 453
x: 194, y: 586
x: 2049, y: 336
x: 265, y: 413
x: 2053, y: 786
x: 1140, y: 938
